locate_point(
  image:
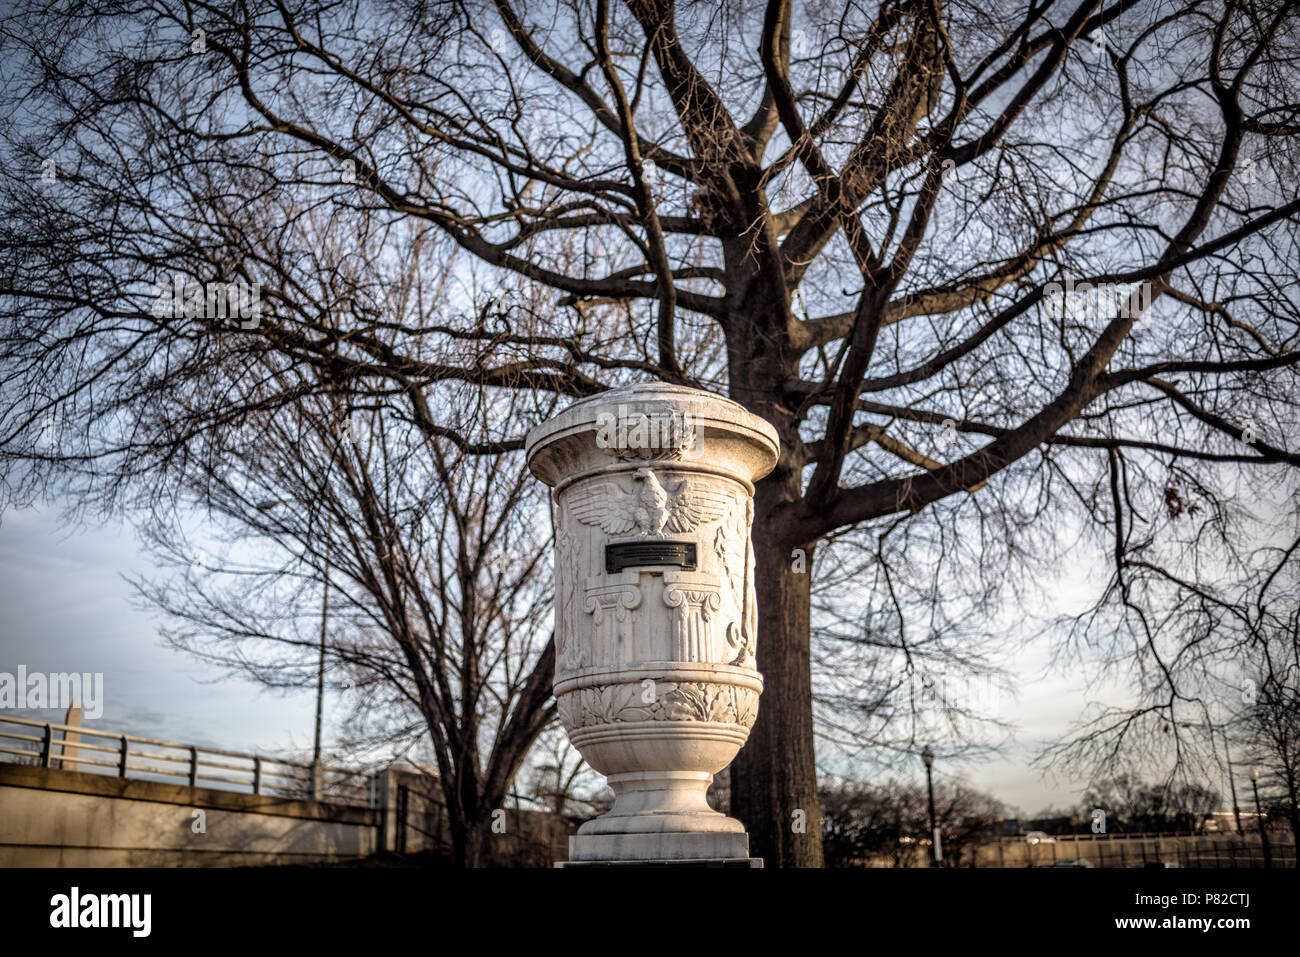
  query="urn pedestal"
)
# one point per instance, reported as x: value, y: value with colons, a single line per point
x: 655, y: 618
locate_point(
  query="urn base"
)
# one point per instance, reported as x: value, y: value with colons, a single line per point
x: 656, y: 802
x: 661, y: 846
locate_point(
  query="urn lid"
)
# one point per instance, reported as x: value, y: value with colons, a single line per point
x: 652, y: 421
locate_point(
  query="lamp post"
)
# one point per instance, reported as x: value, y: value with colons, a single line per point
x: 1263, y: 835
x: 936, y: 850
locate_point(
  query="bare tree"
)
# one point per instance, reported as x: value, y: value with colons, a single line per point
x: 1270, y: 724
x: 890, y: 820
x: 561, y: 782
x: 1136, y: 806
x: 906, y: 642
x: 1199, y: 615
x: 434, y: 590
x: 848, y: 217
x: 339, y: 539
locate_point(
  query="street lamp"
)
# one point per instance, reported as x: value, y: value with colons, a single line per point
x: 1263, y: 835
x: 936, y: 849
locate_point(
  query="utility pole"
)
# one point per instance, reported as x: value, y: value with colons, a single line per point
x: 317, y: 778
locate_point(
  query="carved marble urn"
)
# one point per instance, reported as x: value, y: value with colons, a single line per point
x: 655, y: 618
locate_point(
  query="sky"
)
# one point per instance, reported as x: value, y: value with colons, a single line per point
x: 66, y: 605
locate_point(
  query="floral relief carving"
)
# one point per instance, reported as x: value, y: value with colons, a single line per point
x: 670, y: 701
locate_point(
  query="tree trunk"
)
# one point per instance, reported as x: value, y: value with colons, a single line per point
x: 476, y: 845
x: 468, y: 818
x: 774, y: 778
x: 469, y: 842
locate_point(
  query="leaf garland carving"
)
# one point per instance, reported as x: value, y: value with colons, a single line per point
x: 672, y: 701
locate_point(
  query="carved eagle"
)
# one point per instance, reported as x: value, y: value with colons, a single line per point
x: 652, y: 509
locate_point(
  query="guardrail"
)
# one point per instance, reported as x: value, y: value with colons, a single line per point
x: 195, y: 765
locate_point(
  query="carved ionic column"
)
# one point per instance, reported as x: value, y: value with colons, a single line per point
x: 696, y: 602
x: 655, y: 616
x: 609, y: 605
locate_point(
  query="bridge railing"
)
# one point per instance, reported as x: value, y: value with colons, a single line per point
x: 132, y: 756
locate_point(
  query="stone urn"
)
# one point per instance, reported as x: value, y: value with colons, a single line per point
x: 655, y: 617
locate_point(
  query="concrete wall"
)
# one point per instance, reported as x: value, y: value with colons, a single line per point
x: 413, y: 805
x: 55, y: 818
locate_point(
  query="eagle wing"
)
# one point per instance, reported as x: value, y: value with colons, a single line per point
x: 689, y: 508
x: 605, y: 505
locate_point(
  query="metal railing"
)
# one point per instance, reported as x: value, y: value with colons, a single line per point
x: 1141, y: 849
x: 195, y: 765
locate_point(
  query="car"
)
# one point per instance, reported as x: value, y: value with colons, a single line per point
x: 1079, y: 863
x: 1039, y: 837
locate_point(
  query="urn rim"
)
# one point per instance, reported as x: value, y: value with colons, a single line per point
x: 716, y: 412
